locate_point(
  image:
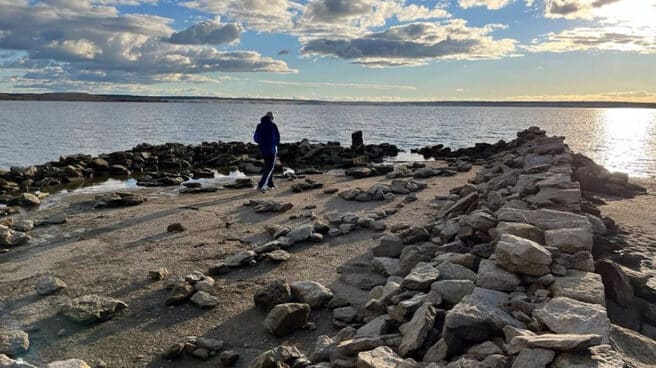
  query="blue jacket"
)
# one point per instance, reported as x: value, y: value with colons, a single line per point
x: 267, y: 136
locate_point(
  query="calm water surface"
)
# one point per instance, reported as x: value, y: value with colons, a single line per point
x: 36, y: 132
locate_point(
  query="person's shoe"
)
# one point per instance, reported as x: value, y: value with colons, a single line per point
x: 264, y: 189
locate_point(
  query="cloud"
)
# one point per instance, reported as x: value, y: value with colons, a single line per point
x: 260, y: 15
x: 210, y: 32
x: 610, y: 38
x: 283, y: 52
x: 81, y: 40
x: 573, y: 9
x: 330, y: 11
x: 339, y: 85
x: 490, y: 4
x: 416, y: 44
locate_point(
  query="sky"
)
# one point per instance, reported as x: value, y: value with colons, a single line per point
x: 374, y: 50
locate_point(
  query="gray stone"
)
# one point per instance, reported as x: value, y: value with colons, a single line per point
x: 345, y: 314
x: 544, y: 219
x: 526, y: 231
x: 584, y: 286
x: 463, y: 259
x: 385, y: 266
x: 569, y: 316
x: 373, y: 328
x: 88, y: 309
x: 285, y: 318
x: 301, y: 233
x: 491, y: 276
x: 204, y: 300
x: 240, y: 259
x: 380, y: 357
x: 436, y: 353
x: 158, y: 274
x: 322, y: 348
x: 13, y: 342
x: 522, y: 255
x: 421, y: 277
x: 616, y: 284
x: 278, y: 292
x: 450, y: 271
x: 24, y: 225
x: 636, y: 349
x: 481, y: 351
x: 452, y: 291
x: 11, y: 238
x: 388, y: 246
x: 311, y: 292
x: 534, y: 358
x: 570, y: 240
x: 49, y: 285
x: 278, y: 255
x: 70, y: 363
x: 280, y: 356
x: 416, y: 331
x: 559, y: 342
x: 7, y: 362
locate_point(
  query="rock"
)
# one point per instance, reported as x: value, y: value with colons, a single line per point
x: 204, y: 300
x: 24, y: 225
x: 388, y: 246
x: 450, y: 271
x: 522, y: 255
x: 345, y: 314
x: 176, y: 228
x: 569, y: 316
x: 210, y: 344
x: 415, y: 235
x: 278, y: 256
x: 49, y: 285
x: 373, y: 328
x: 301, y: 233
x: 570, y: 240
x: 638, y: 350
x: 285, y: 318
x: 416, y: 331
x: 544, y: 219
x: 7, y: 362
x: 616, y: 284
x: 71, y: 363
x: 579, y: 285
x: 120, y: 199
x: 421, y: 277
x: 280, y: 357
x: 312, y: 293
x: 601, y: 356
x: 240, y: 259
x: 491, y: 276
x: 13, y: 342
x: 436, y: 353
x: 180, y: 293
x: 534, y: 358
x: 278, y: 292
x: 452, y: 291
x: 12, y: 238
x: 90, y: 309
x: 385, y: 266
x: 158, y: 274
x: 218, y: 269
x: 465, y: 260
x: 559, y: 342
x: 483, y: 350
x: 380, y: 357
x: 477, y: 318
x: 29, y: 200
x: 228, y: 358
x: 521, y: 230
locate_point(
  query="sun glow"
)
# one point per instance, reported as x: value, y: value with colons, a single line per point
x: 636, y: 13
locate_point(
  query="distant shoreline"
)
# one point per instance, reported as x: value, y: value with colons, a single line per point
x: 84, y: 97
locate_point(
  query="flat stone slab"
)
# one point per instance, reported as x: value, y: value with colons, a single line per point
x: 570, y: 316
x: 559, y: 342
x: 580, y: 285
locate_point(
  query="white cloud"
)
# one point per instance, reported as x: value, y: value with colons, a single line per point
x: 610, y: 38
x: 210, y: 32
x: 490, y: 4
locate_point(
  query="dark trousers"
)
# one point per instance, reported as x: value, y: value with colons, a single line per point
x: 267, y: 174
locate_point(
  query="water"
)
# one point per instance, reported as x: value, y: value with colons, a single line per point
x: 36, y: 132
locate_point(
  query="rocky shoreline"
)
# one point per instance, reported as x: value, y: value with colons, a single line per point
x: 516, y: 268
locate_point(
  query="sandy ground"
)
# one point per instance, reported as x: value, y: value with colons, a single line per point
x: 108, y: 252
x: 636, y: 219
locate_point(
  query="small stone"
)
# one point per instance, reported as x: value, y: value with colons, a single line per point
x: 71, y: 363
x: 13, y: 342
x: 278, y: 256
x: 204, y: 300
x: 228, y: 358
x: 311, y: 292
x: 421, y: 277
x: 278, y: 292
x: 522, y: 255
x: 452, y: 291
x: 90, y: 309
x: 57, y: 219
x: 49, y: 285
x: 218, y: 269
x: 158, y: 274
x: 559, y: 342
x: 380, y: 357
x: 534, y: 358
x: 176, y: 228
x: 180, y: 293
x: 285, y: 318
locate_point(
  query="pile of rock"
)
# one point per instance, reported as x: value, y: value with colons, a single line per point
x: 195, y: 287
x: 504, y: 276
x: 171, y: 164
x: 288, y: 306
x: 202, y: 348
x: 382, y: 192
x: 263, y: 206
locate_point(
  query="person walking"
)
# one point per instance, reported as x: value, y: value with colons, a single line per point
x: 268, y: 138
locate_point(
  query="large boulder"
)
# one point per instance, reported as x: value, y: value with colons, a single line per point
x: 88, y: 309
x: 311, y: 292
x: 570, y: 240
x: 278, y: 292
x: 452, y: 291
x: 616, y: 284
x: 522, y: 256
x: 416, y: 331
x: 569, y: 316
x: 388, y: 246
x: 283, y: 319
x: 491, y: 276
x: 13, y: 342
x: 584, y: 286
x: 543, y: 218
x: 478, y: 317
x: 636, y: 349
